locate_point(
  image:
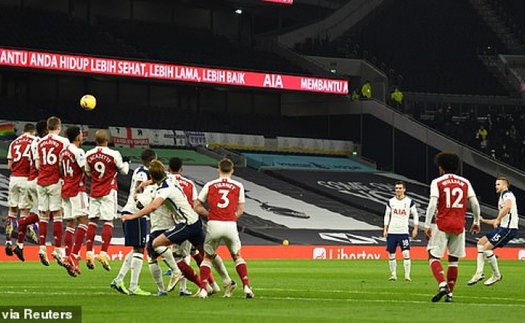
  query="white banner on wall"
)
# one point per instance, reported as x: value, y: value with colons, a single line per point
x: 160, y: 137
x: 319, y: 146
x: 143, y: 138
x: 234, y: 141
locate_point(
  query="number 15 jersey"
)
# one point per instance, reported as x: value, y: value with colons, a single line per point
x: 452, y: 192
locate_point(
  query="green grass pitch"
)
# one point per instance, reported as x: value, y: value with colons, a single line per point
x: 286, y: 291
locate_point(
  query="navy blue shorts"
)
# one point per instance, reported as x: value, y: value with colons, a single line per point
x: 135, y: 232
x: 393, y: 240
x: 182, y: 232
x: 501, y: 236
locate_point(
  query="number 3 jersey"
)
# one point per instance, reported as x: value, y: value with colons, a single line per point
x: 223, y: 195
x: 452, y: 192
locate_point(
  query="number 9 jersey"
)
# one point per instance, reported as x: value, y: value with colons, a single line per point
x: 103, y: 163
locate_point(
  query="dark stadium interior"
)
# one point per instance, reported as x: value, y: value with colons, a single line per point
x: 422, y: 46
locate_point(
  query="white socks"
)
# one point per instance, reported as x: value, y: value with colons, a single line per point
x: 406, y: 262
x: 218, y: 264
x: 392, y: 264
x: 126, y: 265
x: 136, y: 268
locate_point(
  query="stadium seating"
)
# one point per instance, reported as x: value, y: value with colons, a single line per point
x: 433, y: 44
x: 195, y: 46
x: 23, y: 28
x: 511, y: 11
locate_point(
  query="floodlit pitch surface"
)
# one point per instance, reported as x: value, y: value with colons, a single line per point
x: 286, y: 291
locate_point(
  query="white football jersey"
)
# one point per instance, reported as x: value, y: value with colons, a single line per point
x: 397, y: 215
x: 510, y: 220
x: 176, y: 202
x: 160, y: 220
x: 140, y: 174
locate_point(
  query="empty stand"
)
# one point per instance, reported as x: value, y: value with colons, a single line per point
x: 434, y: 44
x: 184, y: 45
x: 55, y: 31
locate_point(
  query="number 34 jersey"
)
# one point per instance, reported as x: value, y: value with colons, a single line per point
x: 452, y: 192
x: 19, y: 154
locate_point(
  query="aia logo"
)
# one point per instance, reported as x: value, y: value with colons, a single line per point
x: 400, y: 212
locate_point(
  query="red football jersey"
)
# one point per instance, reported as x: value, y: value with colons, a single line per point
x: 452, y: 192
x: 103, y: 164
x: 19, y: 153
x: 49, y: 149
x: 73, y: 160
x: 188, y: 187
x: 33, y: 172
x: 223, y: 196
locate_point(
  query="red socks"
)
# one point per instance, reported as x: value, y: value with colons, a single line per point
x: 42, y: 232
x: 452, y: 275
x: 205, y: 270
x: 242, y: 270
x: 107, y: 233
x: 80, y: 233
x: 90, y: 235
x: 68, y: 240
x: 58, y: 227
x: 22, y: 226
x: 437, y: 270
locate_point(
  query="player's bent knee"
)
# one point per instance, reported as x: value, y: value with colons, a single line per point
x: 151, y: 250
x: 452, y: 259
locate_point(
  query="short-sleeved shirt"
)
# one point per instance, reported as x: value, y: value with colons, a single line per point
x: 19, y: 153
x: 103, y: 164
x: 223, y: 196
x: 452, y: 192
x: 509, y: 220
x: 175, y: 202
x: 187, y: 186
x: 73, y: 161
x: 33, y: 171
x: 140, y: 174
x: 48, y: 153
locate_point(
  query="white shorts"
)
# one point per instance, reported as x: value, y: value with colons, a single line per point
x: 104, y: 208
x: 75, y: 206
x: 49, y: 198
x: 31, y: 196
x: 455, y: 243
x: 17, y: 191
x: 218, y: 231
x: 183, y: 250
